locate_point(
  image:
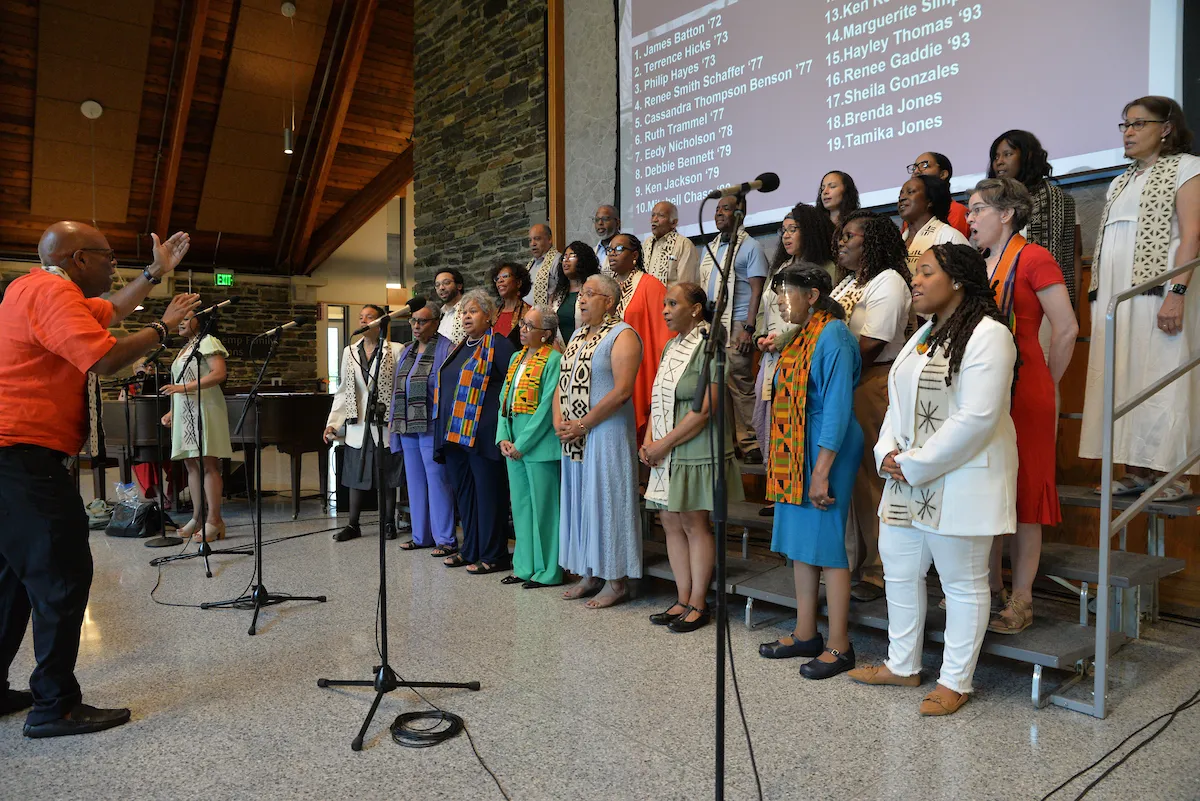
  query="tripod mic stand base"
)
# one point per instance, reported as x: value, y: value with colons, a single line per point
x: 256, y: 600
x: 162, y: 542
x: 384, y: 682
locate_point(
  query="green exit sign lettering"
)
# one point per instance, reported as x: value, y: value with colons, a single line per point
x: 224, y: 278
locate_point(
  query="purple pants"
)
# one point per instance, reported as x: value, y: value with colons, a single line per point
x: 431, y: 502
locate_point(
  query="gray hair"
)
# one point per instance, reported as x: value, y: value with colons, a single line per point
x: 1003, y: 194
x: 482, y: 299
x: 672, y: 209
x: 610, y: 285
x: 547, y: 313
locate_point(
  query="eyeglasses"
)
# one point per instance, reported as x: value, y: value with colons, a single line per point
x: 591, y: 293
x: 975, y: 210
x: 503, y: 277
x: 920, y: 166
x: 620, y: 248
x: 108, y: 253
x: 421, y: 320
x: 847, y: 235
x: 570, y: 257
x: 444, y: 284
x: 600, y: 220
x: 789, y: 229
x: 527, y: 326
x: 1136, y: 125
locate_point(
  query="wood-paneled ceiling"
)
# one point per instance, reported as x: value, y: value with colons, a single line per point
x: 196, y: 96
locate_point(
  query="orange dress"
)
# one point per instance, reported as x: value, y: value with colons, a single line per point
x: 645, y: 315
x: 1033, y: 411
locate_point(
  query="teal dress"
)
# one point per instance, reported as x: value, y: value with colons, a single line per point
x: 534, y: 479
x: 566, y: 316
x: 691, y: 462
x: 805, y: 533
x: 214, y: 419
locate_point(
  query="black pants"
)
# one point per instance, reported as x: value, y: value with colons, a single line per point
x: 46, y: 570
x: 481, y: 498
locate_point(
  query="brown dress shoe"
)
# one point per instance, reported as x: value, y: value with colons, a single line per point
x: 942, y: 701
x: 879, y: 674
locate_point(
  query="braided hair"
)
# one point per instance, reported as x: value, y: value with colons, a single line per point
x: 639, y: 261
x: 807, y: 275
x: 883, y: 246
x: 965, y: 265
x: 816, y: 237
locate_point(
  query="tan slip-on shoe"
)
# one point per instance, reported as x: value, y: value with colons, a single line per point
x: 942, y: 701
x: 879, y: 674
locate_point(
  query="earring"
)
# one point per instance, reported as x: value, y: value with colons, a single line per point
x: 957, y: 285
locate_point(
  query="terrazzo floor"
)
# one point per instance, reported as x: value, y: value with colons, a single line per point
x: 575, y: 704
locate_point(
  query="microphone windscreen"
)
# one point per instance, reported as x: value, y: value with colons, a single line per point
x: 416, y: 303
x: 302, y: 320
x: 770, y: 182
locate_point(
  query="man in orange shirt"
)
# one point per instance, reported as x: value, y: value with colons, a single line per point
x: 54, y: 326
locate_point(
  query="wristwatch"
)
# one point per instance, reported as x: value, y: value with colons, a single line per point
x: 151, y: 277
x: 1178, y: 289
x: 749, y: 329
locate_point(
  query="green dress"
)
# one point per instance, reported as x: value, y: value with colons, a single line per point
x: 213, y: 417
x: 566, y: 316
x: 691, y: 461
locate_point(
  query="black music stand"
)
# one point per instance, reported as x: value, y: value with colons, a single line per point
x: 259, y: 597
x: 385, y: 679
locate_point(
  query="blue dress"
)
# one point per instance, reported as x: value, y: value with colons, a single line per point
x: 599, y: 529
x: 805, y: 533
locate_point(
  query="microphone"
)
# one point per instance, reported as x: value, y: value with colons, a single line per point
x: 217, y: 306
x: 279, y: 329
x: 767, y: 182
x: 151, y: 356
x: 416, y: 304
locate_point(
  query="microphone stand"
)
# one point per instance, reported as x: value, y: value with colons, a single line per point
x: 259, y: 596
x: 714, y: 354
x: 385, y: 679
x: 162, y: 540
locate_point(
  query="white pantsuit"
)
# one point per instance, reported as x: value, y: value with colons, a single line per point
x: 974, y: 453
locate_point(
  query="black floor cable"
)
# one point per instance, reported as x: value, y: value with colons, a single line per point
x: 1188, y: 704
x: 737, y: 693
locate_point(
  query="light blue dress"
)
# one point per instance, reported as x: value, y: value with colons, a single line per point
x: 600, y: 531
x: 805, y: 533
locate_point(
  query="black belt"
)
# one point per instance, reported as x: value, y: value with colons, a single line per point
x: 30, y: 448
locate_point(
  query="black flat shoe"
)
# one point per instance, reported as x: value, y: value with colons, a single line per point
x: 348, y: 533
x: 15, y: 701
x: 83, y: 719
x: 753, y: 456
x: 389, y: 531
x: 816, y: 669
x: 512, y: 580
x: 781, y: 650
x: 681, y: 625
x: 865, y: 592
x: 665, y: 617
x: 537, y: 585
x: 766, y: 511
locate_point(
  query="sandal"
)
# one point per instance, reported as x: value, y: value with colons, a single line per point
x: 483, y: 568
x: 411, y: 545
x: 455, y: 560
x: 1015, y: 617
x: 443, y: 550
x: 511, y: 580
x: 1177, y: 490
x: 1128, y: 484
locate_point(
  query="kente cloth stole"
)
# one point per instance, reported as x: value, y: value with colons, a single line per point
x: 922, y: 241
x: 661, y: 261
x: 677, y: 355
x: 523, y: 398
x: 1153, y: 239
x: 905, y: 504
x: 785, y: 474
x: 1004, y: 279
x: 410, y: 412
x: 707, y: 265
x: 95, y: 432
x: 848, y: 293
x: 470, y: 392
x: 575, y: 383
x: 628, y: 290
x: 541, y: 282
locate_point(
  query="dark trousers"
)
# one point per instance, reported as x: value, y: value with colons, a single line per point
x: 481, y: 497
x: 45, y: 570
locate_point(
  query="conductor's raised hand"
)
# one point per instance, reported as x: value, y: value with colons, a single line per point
x: 167, y: 255
x: 178, y: 308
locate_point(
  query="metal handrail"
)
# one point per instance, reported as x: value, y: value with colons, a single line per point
x: 1099, y: 706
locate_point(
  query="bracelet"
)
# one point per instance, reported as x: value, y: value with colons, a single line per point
x: 582, y: 427
x: 161, y: 330
x: 150, y: 277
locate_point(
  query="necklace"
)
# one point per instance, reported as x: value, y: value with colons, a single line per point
x: 923, y: 342
x: 473, y: 342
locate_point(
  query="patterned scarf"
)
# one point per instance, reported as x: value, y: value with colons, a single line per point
x: 387, y: 372
x: 922, y: 241
x: 676, y: 356
x: 848, y: 293
x: 523, y: 398
x: 470, y: 392
x: 706, y: 270
x: 95, y: 432
x: 1153, y: 244
x: 904, y: 503
x: 1052, y: 225
x: 410, y: 411
x: 1004, y: 279
x: 541, y: 281
x: 628, y: 290
x: 575, y: 383
x: 785, y: 474
x: 662, y: 259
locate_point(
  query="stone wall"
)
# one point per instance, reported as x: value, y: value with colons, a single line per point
x: 480, y: 132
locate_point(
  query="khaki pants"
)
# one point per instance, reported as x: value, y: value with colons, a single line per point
x: 741, y: 398
x: 862, y: 528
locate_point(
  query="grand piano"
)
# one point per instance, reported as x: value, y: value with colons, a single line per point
x: 291, y: 421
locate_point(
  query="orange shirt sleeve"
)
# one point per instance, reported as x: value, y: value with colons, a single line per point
x: 71, y: 326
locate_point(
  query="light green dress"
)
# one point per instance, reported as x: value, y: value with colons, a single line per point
x: 691, y: 461
x: 214, y: 418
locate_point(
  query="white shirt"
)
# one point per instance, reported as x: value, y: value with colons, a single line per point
x: 882, y: 313
x: 451, y: 325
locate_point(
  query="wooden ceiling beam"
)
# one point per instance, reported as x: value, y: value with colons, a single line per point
x: 187, y: 83
x: 353, y: 50
x: 362, y: 207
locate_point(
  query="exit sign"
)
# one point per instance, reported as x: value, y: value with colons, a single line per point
x: 223, y: 278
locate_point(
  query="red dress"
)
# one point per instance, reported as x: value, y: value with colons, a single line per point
x: 1033, y: 411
